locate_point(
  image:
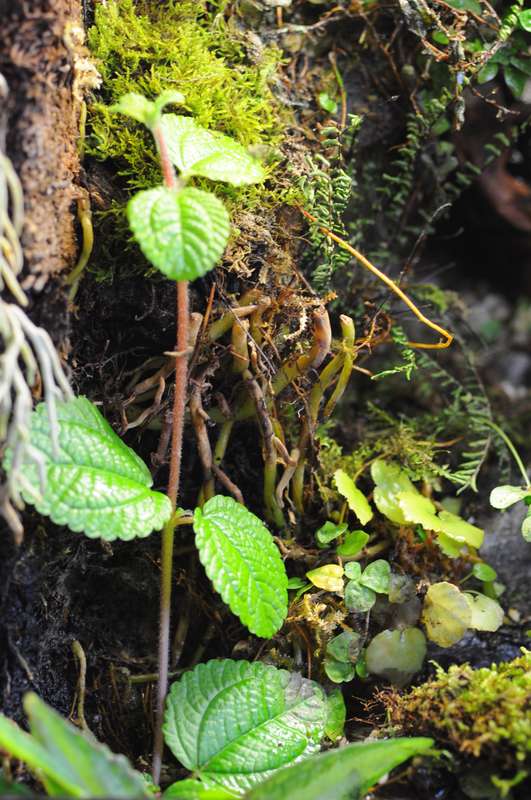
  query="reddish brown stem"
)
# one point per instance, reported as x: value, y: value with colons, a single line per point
x: 179, y: 403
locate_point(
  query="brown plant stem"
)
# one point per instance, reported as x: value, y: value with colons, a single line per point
x: 179, y: 402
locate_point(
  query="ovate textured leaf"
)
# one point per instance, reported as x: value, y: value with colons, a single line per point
x: 94, y: 482
x: 197, y: 151
x: 339, y: 774
x: 69, y: 762
x: 234, y: 723
x: 182, y: 233
x: 244, y: 564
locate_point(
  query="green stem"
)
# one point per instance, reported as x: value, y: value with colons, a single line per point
x: 512, y: 450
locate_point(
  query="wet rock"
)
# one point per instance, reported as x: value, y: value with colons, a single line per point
x: 509, y: 554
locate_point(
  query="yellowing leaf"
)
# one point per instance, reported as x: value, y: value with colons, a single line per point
x: 328, y: 577
x: 446, y: 614
x: 357, y: 502
x: 460, y: 530
x: 487, y: 614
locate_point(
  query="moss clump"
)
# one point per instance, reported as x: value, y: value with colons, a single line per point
x: 147, y: 47
x: 480, y: 712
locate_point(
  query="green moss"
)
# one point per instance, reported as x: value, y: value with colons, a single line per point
x: 480, y: 712
x: 150, y: 46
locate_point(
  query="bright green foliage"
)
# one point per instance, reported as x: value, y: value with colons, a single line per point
x: 190, y: 789
x: 146, y: 47
x: 396, y: 655
x: 196, y: 151
x: 143, y: 110
x: 234, y: 723
x: 512, y: 61
x: 359, y: 598
x: 336, y: 715
x: 68, y: 762
x: 328, y: 532
x: 340, y: 774
x: 182, y: 233
x: 244, y: 564
x: 362, y: 588
x: 353, y: 543
x: 92, y: 482
x: 480, y: 712
x: 484, y: 572
x: 341, y: 654
x: 357, y: 502
x: 376, y: 576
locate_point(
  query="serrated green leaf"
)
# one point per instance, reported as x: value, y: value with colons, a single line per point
x: 354, y: 542
x: 418, y: 509
x: 446, y: 614
x: 459, y: 529
x: 197, y: 151
x: 182, y: 233
x: 94, y: 482
x: 339, y: 774
x: 143, y: 110
x: 244, y: 564
x: 234, y: 723
x: 72, y: 762
x: 376, y: 576
x: 328, y: 577
x: 486, y: 613
x: 505, y: 496
x: 359, y: 598
x: 396, y: 655
x: 357, y: 502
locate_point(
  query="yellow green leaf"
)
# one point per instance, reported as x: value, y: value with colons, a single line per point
x: 486, y: 614
x: 459, y: 529
x: 328, y: 577
x: 446, y: 614
x: 357, y: 502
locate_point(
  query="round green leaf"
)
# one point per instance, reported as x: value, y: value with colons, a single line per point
x: 357, y: 502
x: 505, y: 496
x: 234, y: 723
x: 524, y: 18
x: 353, y: 570
x: 345, y: 647
x: 244, y: 564
x: 396, y: 655
x: 486, y: 613
x: 484, y: 572
x: 359, y: 598
x: 376, y: 576
x: 354, y: 542
x: 446, y: 614
x: 182, y: 233
x: 338, y: 671
x: 94, y: 482
x: 197, y: 151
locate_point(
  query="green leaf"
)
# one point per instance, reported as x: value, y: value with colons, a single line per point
x: 234, y: 723
x: 488, y: 72
x: 327, y: 103
x: 328, y: 577
x: 486, y: 613
x: 182, y: 233
x: 9, y: 789
x: 336, y: 715
x: 389, y: 480
x: 244, y: 564
x: 143, y: 110
x: 376, y: 576
x: 418, y: 509
x: 344, y: 647
x: 190, y: 789
x: 446, y: 614
x: 524, y: 18
x: 526, y: 527
x: 353, y: 570
x: 353, y: 543
x: 357, y: 502
x: 296, y: 583
x: 74, y: 763
x: 94, y: 482
x: 197, y: 151
x: 466, y: 5
x: 359, y: 598
x: 484, y: 572
x: 328, y: 532
x: 339, y: 774
x: 396, y: 655
x: 505, y: 496
x: 457, y: 528
x: 338, y: 671
x: 515, y: 80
